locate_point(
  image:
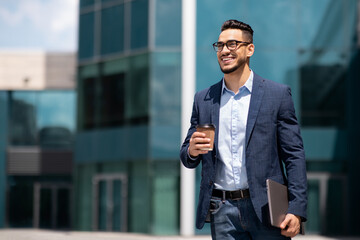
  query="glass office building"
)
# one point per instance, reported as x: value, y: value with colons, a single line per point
x: 129, y: 79
x: 127, y: 170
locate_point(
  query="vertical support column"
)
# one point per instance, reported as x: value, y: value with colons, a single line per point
x: 188, y: 73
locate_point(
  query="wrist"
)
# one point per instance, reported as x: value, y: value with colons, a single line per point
x: 190, y: 156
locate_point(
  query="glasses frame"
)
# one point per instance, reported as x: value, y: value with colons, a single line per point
x: 215, y: 45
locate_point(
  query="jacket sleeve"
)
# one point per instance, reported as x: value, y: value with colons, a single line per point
x: 184, y: 157
x: 291, y: 152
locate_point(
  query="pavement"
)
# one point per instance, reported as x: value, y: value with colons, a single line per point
x: 38, y: 234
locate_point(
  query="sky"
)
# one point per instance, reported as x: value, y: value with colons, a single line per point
x: 49, y: 25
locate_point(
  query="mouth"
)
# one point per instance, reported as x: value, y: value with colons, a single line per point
x: 227, y: 59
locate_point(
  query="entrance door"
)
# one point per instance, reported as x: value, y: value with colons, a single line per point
x: 110, y: 202
x: 52, y: 208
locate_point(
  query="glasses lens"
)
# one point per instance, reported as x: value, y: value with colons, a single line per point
x: 231, y: 45
x: 218, y: 46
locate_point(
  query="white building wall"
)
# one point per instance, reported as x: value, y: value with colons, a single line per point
x: 60, y: 71
x: 36, y: 70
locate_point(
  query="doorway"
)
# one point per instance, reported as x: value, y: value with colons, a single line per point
x: 52, y: 205
x: 110, y: 193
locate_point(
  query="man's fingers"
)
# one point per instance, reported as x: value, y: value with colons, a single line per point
x: 198, y: 134
x: 290, y: 226
x: 284, y: 223
x: 198, y: 141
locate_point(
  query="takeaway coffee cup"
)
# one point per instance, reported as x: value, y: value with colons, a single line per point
x: 209, y: 130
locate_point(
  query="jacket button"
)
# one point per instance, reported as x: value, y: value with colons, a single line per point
x: 211, y: 183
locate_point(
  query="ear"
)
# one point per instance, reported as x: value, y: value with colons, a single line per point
x: 250, y: 50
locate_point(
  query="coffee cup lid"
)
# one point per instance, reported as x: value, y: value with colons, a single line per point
x: 205, y: 126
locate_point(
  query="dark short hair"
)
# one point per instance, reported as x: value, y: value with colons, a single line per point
x: 235, y: 24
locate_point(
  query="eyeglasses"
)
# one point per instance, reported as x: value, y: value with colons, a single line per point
x: 231, y: 45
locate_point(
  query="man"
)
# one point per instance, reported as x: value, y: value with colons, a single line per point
x: 257, y: 137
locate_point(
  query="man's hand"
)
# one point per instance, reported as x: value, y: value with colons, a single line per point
x: 290, y: 227
x: 198, y: 141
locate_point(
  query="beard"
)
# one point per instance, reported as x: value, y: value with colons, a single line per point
x: 240, y: 63
x: 230, y: 70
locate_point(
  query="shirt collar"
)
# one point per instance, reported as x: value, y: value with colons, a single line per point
x: 248, y: 84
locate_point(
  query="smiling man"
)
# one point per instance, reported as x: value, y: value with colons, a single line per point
x: 257, y: 137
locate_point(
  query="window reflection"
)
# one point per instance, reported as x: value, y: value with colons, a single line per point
x: 45, y: 118
x: 112, y: 100
x: 323, y: 95
x: 117, y: 96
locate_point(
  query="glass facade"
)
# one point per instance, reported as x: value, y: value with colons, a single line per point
x: 129, y: 81
x: 45, y: 118
x: 128, y: 115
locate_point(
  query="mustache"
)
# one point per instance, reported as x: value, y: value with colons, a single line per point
x: 227, y: 55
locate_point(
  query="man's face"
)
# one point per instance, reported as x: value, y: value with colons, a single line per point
x: 230, y: 61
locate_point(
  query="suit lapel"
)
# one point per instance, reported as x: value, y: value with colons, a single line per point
x: 255, y: 103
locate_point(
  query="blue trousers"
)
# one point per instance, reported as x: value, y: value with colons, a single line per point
x: 237, y: 220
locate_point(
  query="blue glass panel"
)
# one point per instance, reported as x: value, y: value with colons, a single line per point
x: 274, y: 64
x: 86, y: 36
x: 45, y: 118
x: 208, y: 71
x: 165, y: 105
x: 166, y: 88
x: 112, y: 29
x: 327, y: 23
x: 85, y: 3
x: 116, y: 144
x: 139, y: 24
x: 56, y: 109
x: 275, y: 23
x: 212, y: 14
x: 325, y: 143
x: 106, y: 1
x: 168, y: 23
x: 137, y: 98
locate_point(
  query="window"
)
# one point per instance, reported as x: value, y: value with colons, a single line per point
x: 85, y: 3
x: 112, y: 29
x: 323, y: 95
x: 86, y: 36
x: 89, y: 100
x: 112, y: 100
x: 45, y: 118
x: 139, y: 24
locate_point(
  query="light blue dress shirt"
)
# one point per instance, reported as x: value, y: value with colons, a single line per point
x: 234, y: 108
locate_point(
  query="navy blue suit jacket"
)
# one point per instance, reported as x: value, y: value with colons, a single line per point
x: 274, y: 147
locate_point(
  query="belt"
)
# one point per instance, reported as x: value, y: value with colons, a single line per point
x: 232, y: 195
